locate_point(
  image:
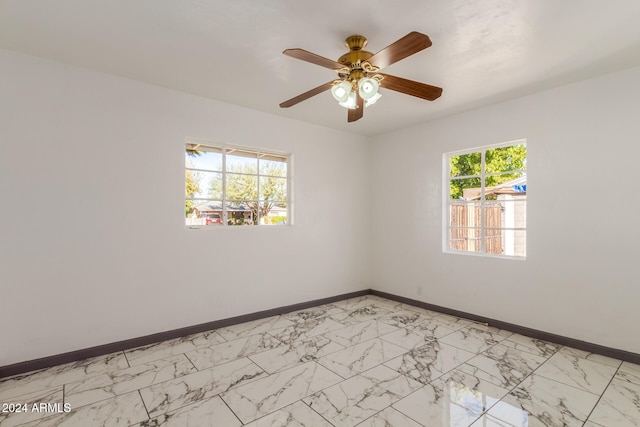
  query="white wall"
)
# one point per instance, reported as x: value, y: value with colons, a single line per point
x: 93, y: 248
x: 581, y: 277
x: 93, y: 244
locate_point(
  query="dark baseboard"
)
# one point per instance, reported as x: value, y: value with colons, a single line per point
x: 74, y: 356
x: 627, y: 356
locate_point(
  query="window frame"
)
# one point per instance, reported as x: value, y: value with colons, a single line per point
x: 446, y: 200
x: 225, y: 150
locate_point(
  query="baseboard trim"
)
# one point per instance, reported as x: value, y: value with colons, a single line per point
x: 615, y: 353
x: 74, y: 356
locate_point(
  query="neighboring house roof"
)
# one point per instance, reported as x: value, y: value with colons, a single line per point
x: 508, y: 187
x: 217, y: 207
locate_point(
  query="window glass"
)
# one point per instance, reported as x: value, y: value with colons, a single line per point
x: 273, y: 166
x: 230, y: 186
x: 487, y: 201
x: 243, y: 161
x: 202, y: 157
x: 465, y: 164
x: 273, y: 189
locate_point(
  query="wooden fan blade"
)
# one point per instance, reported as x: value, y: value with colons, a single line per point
x: 307, y: 56
x: 306, y: 95
x: 408, y: 45
x: 410, y: 87
x: 358, y: 112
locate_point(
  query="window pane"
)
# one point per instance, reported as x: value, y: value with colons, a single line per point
x: 242, y: 187
x: 242, y: 213
x: 191, y: 185
x: 494, y: 241
x: 464, y: 214
x: 273, y: 165
x: 199, y: 212
x: 520, y: 243
x: 214, y: 185
x: 273, y: 188
x: 465, y: 164
x: 506, y: 212
x: 466, y: 188
x: 465, y: 239
x: 505, y: 181
x: 504, y: 159
x: 199, y: 156
x: 505, y: 241
x: 493, y: 214
x: 243, y: 161
x: 515, y: 242
x: 273, y: 213
x: 203, y: 185
x: 189, y: 212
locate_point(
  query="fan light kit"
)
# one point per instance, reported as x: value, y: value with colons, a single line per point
x: 359, y: 79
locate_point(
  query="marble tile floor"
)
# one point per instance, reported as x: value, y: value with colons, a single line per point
x: 367, y: 362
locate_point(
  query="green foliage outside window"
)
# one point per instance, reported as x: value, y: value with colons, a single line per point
x: 497, y: 162
x: 242, y: 186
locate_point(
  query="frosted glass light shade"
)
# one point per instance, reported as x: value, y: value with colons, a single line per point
x: 341, y: 91
x: 367, y: 88
x: 350, y: 102
x: 369, y: 102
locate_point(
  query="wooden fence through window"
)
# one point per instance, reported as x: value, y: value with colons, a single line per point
x: 469, y: 215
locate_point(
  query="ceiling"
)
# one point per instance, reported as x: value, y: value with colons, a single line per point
x: 484, y: 51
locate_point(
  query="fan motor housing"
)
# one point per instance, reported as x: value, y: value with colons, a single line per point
x: 354, y: 59
x: 356, y: 55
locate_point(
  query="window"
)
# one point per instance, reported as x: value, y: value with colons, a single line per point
x: 486, y: 200
x: 232, y: 186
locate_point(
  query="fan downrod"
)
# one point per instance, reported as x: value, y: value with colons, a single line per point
x: 355, y: 42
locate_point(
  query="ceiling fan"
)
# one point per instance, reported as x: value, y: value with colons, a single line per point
x: 359, y: 77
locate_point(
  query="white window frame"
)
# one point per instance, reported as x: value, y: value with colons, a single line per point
x: 446, y: 212
x: 224, y: 148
